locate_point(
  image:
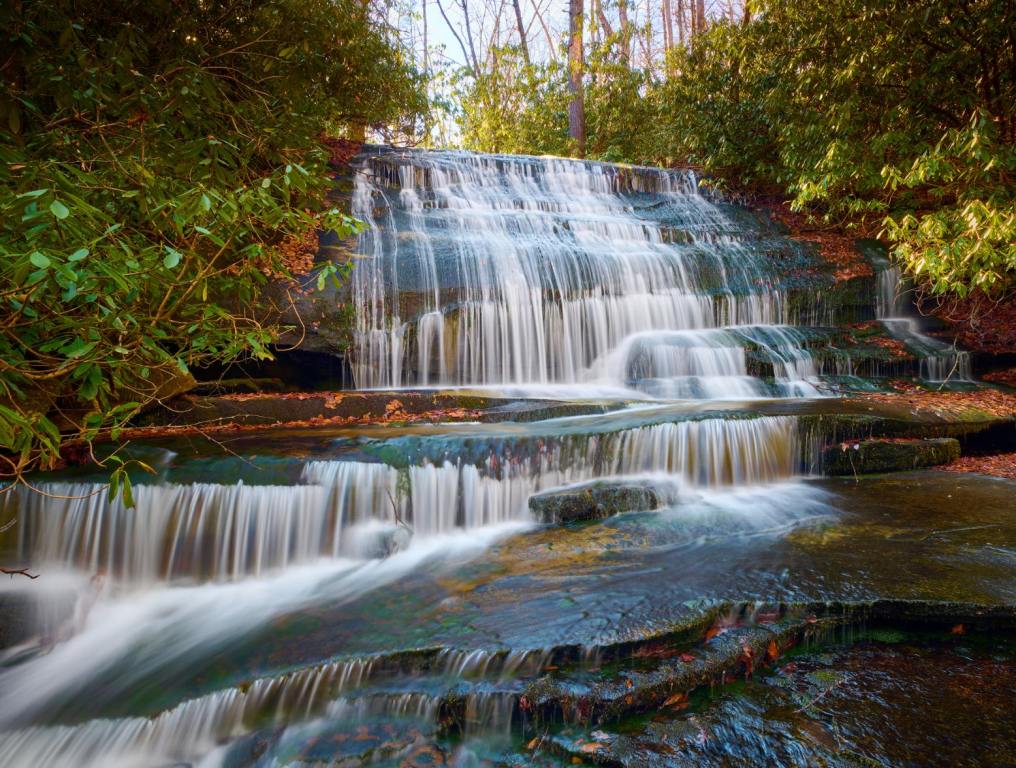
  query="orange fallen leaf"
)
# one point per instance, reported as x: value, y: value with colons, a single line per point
x: 677, y: 701
x: 772, y: 650
x: 592, y: 746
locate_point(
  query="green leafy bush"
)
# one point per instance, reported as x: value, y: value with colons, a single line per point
x: 160, y: 162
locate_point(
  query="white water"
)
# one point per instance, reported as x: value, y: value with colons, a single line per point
x: 549, y: 276
x: 938, y: 361
x: 492, y: 270
x: 198, y: 532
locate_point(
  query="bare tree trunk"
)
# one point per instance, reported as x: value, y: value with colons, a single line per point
x: 700, y: 15
x: 622, y: 15
x: 522, y: 31
x: 551, y: 45
x: 465, y: 52
x: 604, y: 21
x: 647, y: 49
x: 469, y: 34
x: 680, y: 22
x: 668, y: 26
x: 576, y: 107
x: 426, y: 50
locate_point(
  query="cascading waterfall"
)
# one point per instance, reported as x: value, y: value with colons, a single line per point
x: 714, y: 364
x: 493, y: 270
x: 205, y: 531
x: 938, y: 361
x: 475, y: 270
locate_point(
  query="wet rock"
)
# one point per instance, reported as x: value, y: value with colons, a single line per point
x: 16, y: 619
x: 864, y: 457
x: 595, y: 501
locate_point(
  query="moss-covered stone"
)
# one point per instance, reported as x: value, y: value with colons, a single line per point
x: 865, y: 457
x: 595, y: 501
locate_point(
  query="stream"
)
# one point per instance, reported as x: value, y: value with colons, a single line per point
x: 387, y: 596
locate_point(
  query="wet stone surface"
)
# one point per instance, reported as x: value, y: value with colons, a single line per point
x: 595, y: 501
x: 889, y: 699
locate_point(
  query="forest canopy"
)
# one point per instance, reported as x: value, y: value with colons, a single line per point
x: 161, y: 160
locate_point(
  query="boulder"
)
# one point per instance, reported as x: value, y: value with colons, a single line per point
x: 864, y: 457
x: 594, y: 501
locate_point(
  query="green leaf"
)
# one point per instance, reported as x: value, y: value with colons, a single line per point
x: 78, y: 255
x: 114, y: 486
x: 59, y: 210
x: 128, y: 492
x: 171, y: 259
x: 39, y: 260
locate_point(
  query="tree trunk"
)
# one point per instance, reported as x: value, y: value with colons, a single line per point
x: 522, y: 31
x: 469, y: 35
x: 668, y: 26
x: 604, y: 21
x: 426, y: 51
x: 700, y: 15
x: 680, y: 22
x: 551, y: 45
x: 622, y: 15
x: 465, y: 52
x: 576, y: 107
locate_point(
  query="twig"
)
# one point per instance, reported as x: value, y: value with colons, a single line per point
x: 395, y: 509
x: 814, y: 701
x: 18, y: 572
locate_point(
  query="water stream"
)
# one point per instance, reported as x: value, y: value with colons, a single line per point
x: 383, y: 580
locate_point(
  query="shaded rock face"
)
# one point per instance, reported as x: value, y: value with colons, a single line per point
x: 596, y: 501
x: 867, y: 457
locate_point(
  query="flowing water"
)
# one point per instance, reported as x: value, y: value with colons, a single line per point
x: 349, y: 591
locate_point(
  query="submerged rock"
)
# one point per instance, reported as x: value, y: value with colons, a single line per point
x: 863, y: 457
x: 595, y: 501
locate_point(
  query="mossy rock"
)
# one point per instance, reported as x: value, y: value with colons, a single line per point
x: 865, y: 457
x: 595, y: 501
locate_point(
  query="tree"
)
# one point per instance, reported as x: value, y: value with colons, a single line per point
x: 576, y: 108
x: 522, y: 32
x: 160, y: 163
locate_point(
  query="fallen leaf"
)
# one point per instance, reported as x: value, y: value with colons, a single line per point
x: 772, y: 650
x: 677, y: 701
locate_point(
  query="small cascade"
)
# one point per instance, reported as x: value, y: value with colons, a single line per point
x: 723, y: 363
x: 203, y: 532
x: 484, y: 269
x: 938, y: 361
x: 189, y: 729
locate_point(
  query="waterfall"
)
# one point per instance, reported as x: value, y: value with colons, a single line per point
x: 490, y: 270
x: 714, y: 364
x: 204, y: 531
x: 938, y: 361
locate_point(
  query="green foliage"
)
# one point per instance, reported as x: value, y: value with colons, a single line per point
x: 885, y: 112
x: 514, y: 108
x: 158, y: 159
